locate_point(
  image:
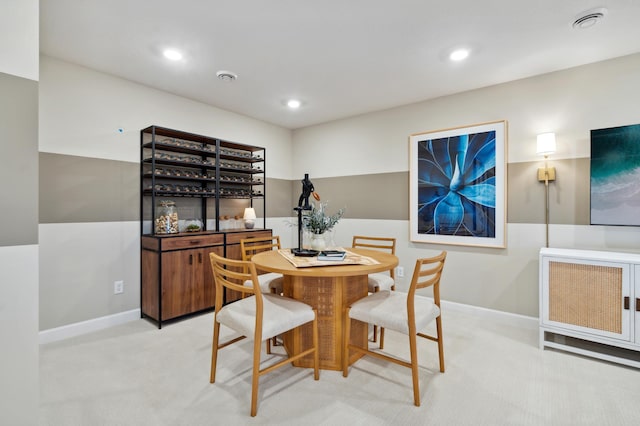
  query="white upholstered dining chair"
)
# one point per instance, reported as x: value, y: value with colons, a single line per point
x: 260, y: 316
x: 379, y: 280
x: 270, y: 282
x: 407, y: 313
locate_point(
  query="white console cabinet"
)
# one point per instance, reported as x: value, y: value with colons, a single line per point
x: 590, y: 303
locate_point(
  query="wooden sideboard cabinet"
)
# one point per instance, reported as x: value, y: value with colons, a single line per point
x: 590, y: 303
x: 176, y: 276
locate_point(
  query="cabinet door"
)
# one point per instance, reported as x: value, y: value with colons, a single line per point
x: 149, y: 285
x: 204, y: 290
x: 187, y: 282
x: 180, y: 274
x: 587, y: 296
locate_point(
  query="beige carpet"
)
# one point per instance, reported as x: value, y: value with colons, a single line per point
x: 135, y: 374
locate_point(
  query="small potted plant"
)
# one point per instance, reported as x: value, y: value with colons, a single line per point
x: 193, y: 226
x: 318, y: 222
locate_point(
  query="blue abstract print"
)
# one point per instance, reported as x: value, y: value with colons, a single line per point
x: 457, y: 185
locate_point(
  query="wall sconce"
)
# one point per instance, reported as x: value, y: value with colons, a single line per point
x: 546, y: 145
x: 249, y: 217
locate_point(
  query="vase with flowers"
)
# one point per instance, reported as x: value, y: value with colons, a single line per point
x: 317, y: 222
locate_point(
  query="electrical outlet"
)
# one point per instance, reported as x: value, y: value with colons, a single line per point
x: 400, y: 271
x: 118, y: 287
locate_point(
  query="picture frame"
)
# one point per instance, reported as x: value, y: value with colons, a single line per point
x: 457, y: 184
x: 614, y: 171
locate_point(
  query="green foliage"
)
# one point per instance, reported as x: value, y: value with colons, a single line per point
x: 318, y: 222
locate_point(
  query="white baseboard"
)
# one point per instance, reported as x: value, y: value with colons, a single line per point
x: 515, y: 319
x: 83, y: 327
x: 79, y: 328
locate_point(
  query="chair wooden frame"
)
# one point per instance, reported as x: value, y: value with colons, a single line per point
x: 427, y: 273
x: 383, y: 244
x: 253, y: 245
x: 232, y: 274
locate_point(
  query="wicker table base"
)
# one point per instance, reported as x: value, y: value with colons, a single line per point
x: 330, y: 296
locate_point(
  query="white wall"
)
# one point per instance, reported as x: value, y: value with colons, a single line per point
x: 19, y: 335
x: 19, y: 282
x: 570, y: 102
x: 80, y: 113
x: 19, y: 40
x: 78, y: 266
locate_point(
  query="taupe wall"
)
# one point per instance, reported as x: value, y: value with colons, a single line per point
x: 82, y: 189
x: 568, y: 195
x: 385, y: 196
x: 77, y: 189
x: 375, y: 196
x: 19, y: 171
x: 279, y: 197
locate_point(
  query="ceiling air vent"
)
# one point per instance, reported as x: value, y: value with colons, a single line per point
x: 589, y: 18
x: 226, y: 75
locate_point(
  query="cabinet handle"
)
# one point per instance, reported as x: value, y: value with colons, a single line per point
x: 637, y: 304
x: 194, y: 242
x: 200, y: 257
x: 626, y: 302
x: 191, y: 260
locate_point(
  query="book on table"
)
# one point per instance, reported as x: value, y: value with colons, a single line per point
x: 332, y: 255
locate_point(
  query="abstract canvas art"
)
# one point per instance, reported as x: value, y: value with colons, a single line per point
x: 457, y: 185
x: 615, y: 176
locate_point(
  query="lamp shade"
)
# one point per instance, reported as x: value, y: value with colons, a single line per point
x: 249, y: 213
x: 546, y: 144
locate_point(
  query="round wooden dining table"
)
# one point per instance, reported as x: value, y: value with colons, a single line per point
x: 329, y: 289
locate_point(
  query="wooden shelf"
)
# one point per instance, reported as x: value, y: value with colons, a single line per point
x: 176, y: 278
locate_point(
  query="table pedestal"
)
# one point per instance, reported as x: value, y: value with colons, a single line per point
x: 330, y: 296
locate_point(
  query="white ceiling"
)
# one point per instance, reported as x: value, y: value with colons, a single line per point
x: 339, y: 57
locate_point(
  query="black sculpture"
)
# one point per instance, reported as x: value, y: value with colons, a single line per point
x: 303, y: 204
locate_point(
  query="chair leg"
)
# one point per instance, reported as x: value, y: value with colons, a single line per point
x: 316, y: 353
x: 274, y: 341
x: 393, y: 288
x: 414, y: 369
x: 375, y: 327
x: 254, y: 377
x: 440, y: 342
x: 268, y: 346
x: 345, y: 343
x: 214, y: 350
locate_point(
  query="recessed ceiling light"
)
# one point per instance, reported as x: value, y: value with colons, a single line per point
x: 293, y: 103
x: 172, y: 54
x: 226, y: 75
x: 459, y: 54
x: 589, y: 18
